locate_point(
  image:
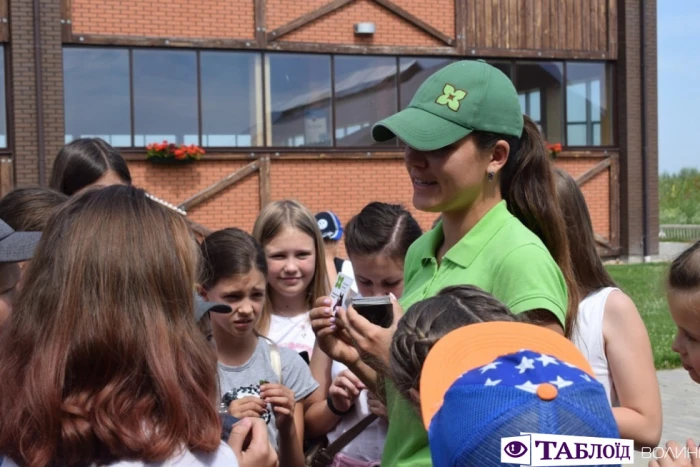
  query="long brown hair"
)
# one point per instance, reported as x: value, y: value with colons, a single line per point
x: 270, y: 222
x: 588, y: 269
x: 527, y: 185
x: 101, y: 360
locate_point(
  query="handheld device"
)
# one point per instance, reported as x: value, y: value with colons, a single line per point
x: 377, y: 310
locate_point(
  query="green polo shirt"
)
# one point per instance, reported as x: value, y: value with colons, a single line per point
x: 499, y: 255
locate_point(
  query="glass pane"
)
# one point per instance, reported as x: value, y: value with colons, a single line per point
x: 523, y: 102
x: 165, y: 97
x: 543, y: 83
x: 365, y: 92
x: 576, y: 134
x: 231, y: 114
x: 576, y: 102
x: 504, y: 67
x: 96, y: 95
x: 299, y: 103
x: 414, y: 71
x: 592, y: 84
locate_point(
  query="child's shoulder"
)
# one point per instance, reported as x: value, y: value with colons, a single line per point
x: 290, y: 357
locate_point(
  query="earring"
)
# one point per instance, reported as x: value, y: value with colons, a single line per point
x: 491, y: 175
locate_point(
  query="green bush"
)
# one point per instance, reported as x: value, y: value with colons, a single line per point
x: 679, y: 197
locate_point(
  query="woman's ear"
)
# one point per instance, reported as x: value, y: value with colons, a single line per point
x: 499, y: 156
x: 202, y: 292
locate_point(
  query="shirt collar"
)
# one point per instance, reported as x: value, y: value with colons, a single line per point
x: 469, y: 247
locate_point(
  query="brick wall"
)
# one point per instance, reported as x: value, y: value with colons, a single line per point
x: 23, y: 92
x: 343, y: 186
x: 218, y: 19
x: 337, y: 28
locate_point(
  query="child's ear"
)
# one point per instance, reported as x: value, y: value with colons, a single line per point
x: 202, y: 292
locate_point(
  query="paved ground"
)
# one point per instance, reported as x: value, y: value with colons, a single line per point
x: 669, y: 250
x: 680, y: 410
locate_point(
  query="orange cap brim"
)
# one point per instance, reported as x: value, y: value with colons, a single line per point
x: 476, y: 345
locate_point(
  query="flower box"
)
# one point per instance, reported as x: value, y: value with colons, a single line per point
x: 172, y: 154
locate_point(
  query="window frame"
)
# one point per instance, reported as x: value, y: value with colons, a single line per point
x: 610, y: 70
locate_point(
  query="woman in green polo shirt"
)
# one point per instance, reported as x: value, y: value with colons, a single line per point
x: 474, y: 158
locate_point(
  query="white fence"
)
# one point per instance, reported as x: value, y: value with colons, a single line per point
x: 679, y: 233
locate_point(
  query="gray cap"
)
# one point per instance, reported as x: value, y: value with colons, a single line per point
x: 16, y: 246
x: 201, y: 307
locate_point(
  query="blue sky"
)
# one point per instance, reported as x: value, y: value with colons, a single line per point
x: 679, y: 84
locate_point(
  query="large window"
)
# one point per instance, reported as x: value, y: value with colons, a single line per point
x: 299, y: 104
x: 231, y: 99
x: 3, y: 105
x: 588, y: 105
x: 245, y: 99
x: 165, y: 97
x: 539, y: 87
x: 365, y: 92
x: 97, y: 96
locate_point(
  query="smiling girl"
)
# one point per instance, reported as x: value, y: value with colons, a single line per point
x: 235, y: 273
x: 296, y: 273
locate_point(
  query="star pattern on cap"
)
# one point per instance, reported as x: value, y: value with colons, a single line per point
x: 526, y: 364
x: 547, y: 360
x: 490, y: 366
x: 527, y: 371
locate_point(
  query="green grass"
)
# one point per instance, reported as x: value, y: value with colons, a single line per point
x: 644, y: 283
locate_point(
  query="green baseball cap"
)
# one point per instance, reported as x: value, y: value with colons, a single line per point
x: 454, y: 101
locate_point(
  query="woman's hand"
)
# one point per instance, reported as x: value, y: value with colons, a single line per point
x: 251, y: 445
x: 344, y: 390
x: 376, y: 406
x: 674, y: 449
x: 330, y: 336
x: 250, y: 406
x: 368, y: 338
x: 283, y: 402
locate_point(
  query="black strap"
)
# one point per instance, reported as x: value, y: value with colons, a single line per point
x: 343, y: 440
x: 338, y: 264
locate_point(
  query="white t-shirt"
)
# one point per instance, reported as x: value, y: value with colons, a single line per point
x: 369, y: 444
x: 222, y: 457
x: 588, y: 338
x: 294, y: 333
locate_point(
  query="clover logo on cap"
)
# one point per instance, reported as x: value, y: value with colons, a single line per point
x: 451, y: 97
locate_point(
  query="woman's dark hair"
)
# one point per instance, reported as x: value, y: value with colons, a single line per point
x: 684, y: 274
x: 29, y: 209
x: 230, y: 252
x: 118, y: 369
x: 588, y: 269
x: 83, y: 162
x: 383, y: 228
x: 429, y: 320
x: 527, y: 185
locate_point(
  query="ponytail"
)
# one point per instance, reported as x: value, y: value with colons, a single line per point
x: 527, y: 185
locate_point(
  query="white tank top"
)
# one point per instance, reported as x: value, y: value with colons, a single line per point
x: 368, y: 445
x: 588, y: 338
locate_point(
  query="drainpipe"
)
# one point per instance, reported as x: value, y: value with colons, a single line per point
x: 38, y: 79
x: 645, y: 150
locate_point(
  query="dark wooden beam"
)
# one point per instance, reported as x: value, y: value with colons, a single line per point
x: 461, y: 26
x: 4, y: 22
x: 482, y: 52
x: 201, y: 231
x: 6, y: 178
x: 359, y: 49
x: 615, y: 200
x: 383, y: 154
x: 593, y: 171
x: 612, y: 29
x: 265, y: 181
x: 66, y: 20
x: 307, y: 18
x: 136, y: 41
x: 414, y: 20
x: 260, y: 23
x: 587, y: 154
x: 219, y: 186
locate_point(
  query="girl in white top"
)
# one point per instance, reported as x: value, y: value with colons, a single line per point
x: 608, y: 329
x: 376, y: 241
x: 296, y: 276
x: 116, y: 371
